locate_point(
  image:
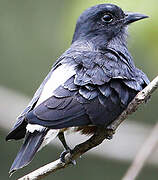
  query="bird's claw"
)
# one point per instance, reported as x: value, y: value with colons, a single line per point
x: 63, y: 154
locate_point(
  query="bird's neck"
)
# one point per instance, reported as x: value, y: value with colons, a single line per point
x: 118, y: 45
x: 117, y: 42
x: 100, y: 40
x: 99, y: 43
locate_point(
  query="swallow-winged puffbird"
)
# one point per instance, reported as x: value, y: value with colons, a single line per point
x: 89, y: 86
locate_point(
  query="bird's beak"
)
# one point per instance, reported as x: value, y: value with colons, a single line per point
x: 132, y: 17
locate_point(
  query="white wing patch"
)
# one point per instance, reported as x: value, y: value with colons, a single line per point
x: 58, y: 77
x: 51, y: 134
x: 34, y: 127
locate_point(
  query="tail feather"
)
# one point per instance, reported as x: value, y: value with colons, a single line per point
x: 31, y: 145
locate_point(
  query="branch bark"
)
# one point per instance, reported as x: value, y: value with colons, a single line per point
x: 100, y: 135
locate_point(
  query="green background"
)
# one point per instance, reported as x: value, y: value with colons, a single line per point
x: 33, y: 34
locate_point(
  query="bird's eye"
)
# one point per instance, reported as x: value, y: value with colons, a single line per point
x: 107, y: 18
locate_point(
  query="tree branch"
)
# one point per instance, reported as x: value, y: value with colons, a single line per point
x: 100, y: 135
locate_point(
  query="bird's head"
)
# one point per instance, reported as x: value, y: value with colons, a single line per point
x: 106, y: 20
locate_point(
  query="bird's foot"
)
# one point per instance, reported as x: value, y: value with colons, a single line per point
x: 63, y: 154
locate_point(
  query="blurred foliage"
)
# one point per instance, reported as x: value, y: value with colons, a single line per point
x: 34, y: 33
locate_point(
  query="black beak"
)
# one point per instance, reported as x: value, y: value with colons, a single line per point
x: 132, y: 17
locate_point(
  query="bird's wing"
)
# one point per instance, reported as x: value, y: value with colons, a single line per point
x: 72, y: 106
x: 19, y: 129
x: 61, y: 110
x: 96, y: 93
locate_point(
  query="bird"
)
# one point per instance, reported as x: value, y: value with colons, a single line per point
x: 88, y: 86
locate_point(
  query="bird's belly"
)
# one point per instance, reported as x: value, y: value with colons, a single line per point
x: 86, y: 130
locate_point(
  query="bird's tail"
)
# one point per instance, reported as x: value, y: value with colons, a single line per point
x: 31, y: 145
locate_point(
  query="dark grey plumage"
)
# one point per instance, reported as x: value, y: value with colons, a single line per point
x: 104, y: 82
x: 30, y: 146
